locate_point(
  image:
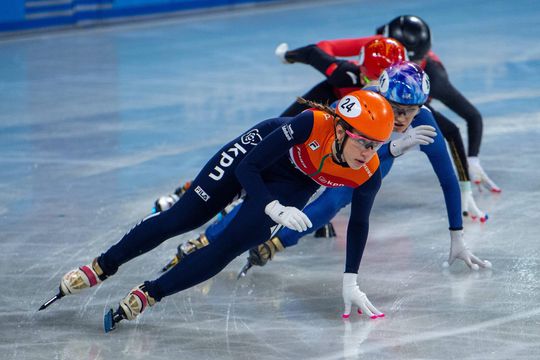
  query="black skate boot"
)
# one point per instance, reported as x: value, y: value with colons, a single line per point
x: 261, y: 254
x: 326, y: 231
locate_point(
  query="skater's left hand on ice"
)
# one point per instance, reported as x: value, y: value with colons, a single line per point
x: 353, y: 296
x: 479, y: 176
x: 459, y: 250
x: 468, y: 205
x: 288, y: 216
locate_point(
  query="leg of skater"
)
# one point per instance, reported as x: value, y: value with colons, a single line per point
x: 251, y: 226
x: 452, y: 135
x: 214, y: 188
x: 320, y: 212
x: 203, y: 239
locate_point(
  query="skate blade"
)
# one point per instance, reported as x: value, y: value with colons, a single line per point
x: 244, y: 271
x: 108, y: 321
x: 51, y: 300
x: 170, y: 265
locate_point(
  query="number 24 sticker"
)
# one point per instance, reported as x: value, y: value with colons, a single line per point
x: 349, y: 106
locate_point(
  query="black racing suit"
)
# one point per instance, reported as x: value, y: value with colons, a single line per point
x: 344, y: 76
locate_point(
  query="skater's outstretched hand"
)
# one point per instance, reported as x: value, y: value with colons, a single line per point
x: 459, y: 250
x: 413, y: 136
x: 280, y: 52
x: 353, y: 296
x: 479, y: 176
x: 288, y: 216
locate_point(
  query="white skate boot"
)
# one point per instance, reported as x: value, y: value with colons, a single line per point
x: 129, y: 308
x: 76, y: 280
x: 166, y: 202
x: 84, y: 277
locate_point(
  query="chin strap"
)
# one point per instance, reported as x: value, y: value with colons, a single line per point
x: 339, y: 146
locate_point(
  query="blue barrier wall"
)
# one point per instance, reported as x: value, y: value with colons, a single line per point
x: 20, y: 15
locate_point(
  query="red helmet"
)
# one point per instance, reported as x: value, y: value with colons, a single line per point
x: 379, y: 54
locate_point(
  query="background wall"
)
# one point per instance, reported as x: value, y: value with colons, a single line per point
x: 23, y: 15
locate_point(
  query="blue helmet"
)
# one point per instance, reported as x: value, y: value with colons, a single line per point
x: 404, y: 83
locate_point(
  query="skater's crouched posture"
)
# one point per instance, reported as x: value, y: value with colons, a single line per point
x: 279, y: 163
x: 406, y: 87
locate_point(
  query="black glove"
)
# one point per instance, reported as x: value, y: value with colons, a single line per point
x: 347, y: 74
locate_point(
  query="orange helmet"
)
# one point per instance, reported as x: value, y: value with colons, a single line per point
x: 368, y: 113
x: 379, y: 54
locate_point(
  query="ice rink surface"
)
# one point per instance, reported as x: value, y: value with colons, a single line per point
x: 95, y: 124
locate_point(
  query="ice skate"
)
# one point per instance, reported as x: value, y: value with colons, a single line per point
x: 129, y: 308
x: 261, y: 254
x: 185, y: 249
x: 166, y: 202
x: 266, y: 251
x: 326, y: 231
x: 468, y: 205
x: 77, y: 280
x: 479, y: 176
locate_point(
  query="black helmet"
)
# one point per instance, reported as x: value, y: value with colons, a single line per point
x: 412, y: 32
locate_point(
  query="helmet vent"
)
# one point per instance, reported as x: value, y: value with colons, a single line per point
x: 368, y: 110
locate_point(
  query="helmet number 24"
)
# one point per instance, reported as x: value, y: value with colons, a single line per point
x: 347, y: 105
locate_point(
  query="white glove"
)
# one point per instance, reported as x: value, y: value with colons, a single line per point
x: 468, y: 205
x: 281, y: 49
x: 479, y: 176
x: 458, y: 250
x: 413, y: 136
x: 353, y: 295
x: 288, y: 216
